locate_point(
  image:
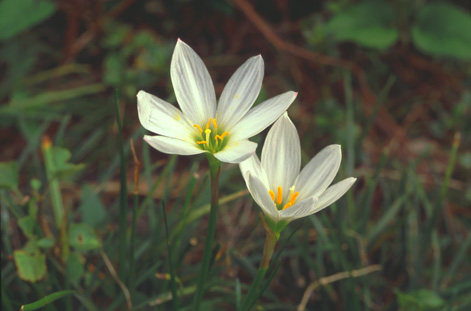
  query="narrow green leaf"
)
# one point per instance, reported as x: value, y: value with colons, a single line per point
x: 46, y: 300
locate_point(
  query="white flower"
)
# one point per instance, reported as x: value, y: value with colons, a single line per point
x: 201, y: 125
x: 277, y: 185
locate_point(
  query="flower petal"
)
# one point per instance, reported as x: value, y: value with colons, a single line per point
x: 300, y: 209
x: 281, y: 155
x: 334, y: 192
x: 261, y: 116
x: 240, y: 92
x: 319, y: 173
x: 192, y: 84
x: 236, y: 152
x: 172, y: 145
x: 262, y: 197
x: 253, y: 167
x: 160, y: 117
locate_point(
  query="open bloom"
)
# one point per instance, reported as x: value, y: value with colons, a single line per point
x: 201, y: 125
x: 277, y: 185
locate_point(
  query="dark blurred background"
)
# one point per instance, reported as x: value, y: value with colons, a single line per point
x: 388, y: 80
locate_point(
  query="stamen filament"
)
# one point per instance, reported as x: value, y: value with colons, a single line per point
x: 215, y: 124
x: 272, y: 194
x: 198, y: 127
x: 287, y: 205
x: 279, y: 197
x: 201, y: 142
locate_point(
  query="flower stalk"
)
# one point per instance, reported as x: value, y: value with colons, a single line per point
x: 214, y: 170
x: 269, y: 248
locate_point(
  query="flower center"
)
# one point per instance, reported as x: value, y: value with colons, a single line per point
x: 278, y: 198
x: 211, y: 138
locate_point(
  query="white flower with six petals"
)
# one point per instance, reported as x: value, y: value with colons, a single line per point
x: 201, y: 125
x: 276, y: 183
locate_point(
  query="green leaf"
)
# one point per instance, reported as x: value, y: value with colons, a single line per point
x: 93, y: 211
x: 27, y: 225
x: 35, y: 184
x: 422, y: 299
x: 19, y: 15
x: 31, y: 267
x: 83, y: 238
x: 443, y: 29
x: 114, y: 69
x: 45, y: 242
x: 46, y: 300
x: 61, y: 166
x: 74, y: 268
x: 9, y: 174
x: 368, y: 24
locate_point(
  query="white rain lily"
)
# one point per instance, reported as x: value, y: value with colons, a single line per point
x: 202, y: 125
x: 277, y: 185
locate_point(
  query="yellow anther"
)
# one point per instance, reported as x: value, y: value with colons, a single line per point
x: 287, y: 205
x: 201, y: 142
x: 279, y: 197
x: 215, y: 124
x: 272, y: 194
x: 293, y: 198
x: 221, y: 137
x: 208, y: 124
x: 198, y: 127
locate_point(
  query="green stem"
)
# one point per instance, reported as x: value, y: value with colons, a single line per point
x: 123, y: 209
x: 132, y: 271
x: 214, y: 170
x: 269, y: 248
x: 173, y: 285
x: 60, y: 213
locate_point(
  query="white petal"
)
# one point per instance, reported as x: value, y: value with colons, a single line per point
x: 261, y: 116
x: 317, y: 175
x: 281, y: 155
x: 262, y: 197
x: 236, y: 152
x: 334, y: 192
x: 300, y: 209
x: 240, y: 92
x: 160, y: 117
x: 253, y: 167
x: 192, y: 84
x: 172, y: 145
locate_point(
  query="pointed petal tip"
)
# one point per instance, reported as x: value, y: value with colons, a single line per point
x: 140, y: 94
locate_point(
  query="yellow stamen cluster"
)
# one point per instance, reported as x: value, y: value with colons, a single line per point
x: 212, y: 140
x: 278, y: 198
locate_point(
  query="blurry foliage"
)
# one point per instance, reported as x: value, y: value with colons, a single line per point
x: 369, y: 24
x: 443, y: 30
x: 438, y: 28
x: 136, y: 59
x: 20, y: 15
